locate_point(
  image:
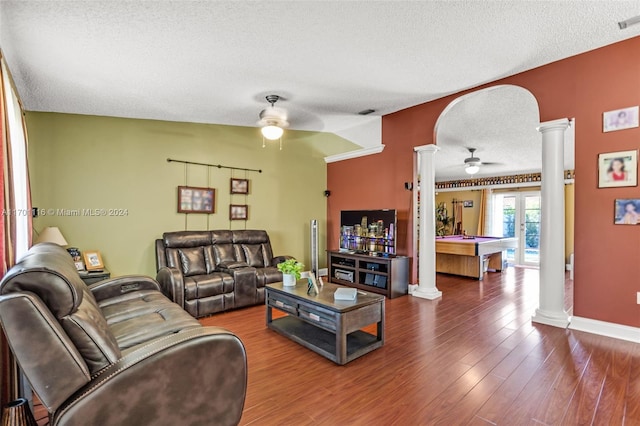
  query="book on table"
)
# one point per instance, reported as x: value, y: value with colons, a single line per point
x: 345, y: 293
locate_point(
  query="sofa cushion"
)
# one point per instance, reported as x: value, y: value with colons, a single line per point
x: 253, y: 255
x: 88, y: 330
x: 185, y: 239
x: 192, y: 261
x: 129, y: 305
x: 250, y: 236
x: 224, y: 253
x: 138, y: 317
x: 199, y: 286
x: 50, y: 273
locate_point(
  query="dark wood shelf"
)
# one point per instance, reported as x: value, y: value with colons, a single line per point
x: 394, y: 268
x: 323, y: 341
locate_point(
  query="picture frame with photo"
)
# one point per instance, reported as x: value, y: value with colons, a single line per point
x: 238, y: 212
x: 192, y: 199
x: 93, y: 260
x: 618, y: 169
x: 627, y: 211
x: 620, y: 119
x: 239, y: 186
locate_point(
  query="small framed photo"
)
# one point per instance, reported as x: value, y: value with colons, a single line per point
x: 79, y: 265
x: 616, y: 169
x: 93, y: 260
x: 627, y: 211
x: 239, y: 186
x: 192, y: 199
x: 238, y: 212
x: 620, y: 119
x: 467, y: 203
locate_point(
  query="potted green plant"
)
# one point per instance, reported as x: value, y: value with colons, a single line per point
x: 291, y: 270
x: 442, y: 220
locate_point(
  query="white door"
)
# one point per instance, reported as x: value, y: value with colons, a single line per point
x: 517, y: 214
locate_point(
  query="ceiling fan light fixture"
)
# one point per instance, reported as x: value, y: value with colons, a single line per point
x: 272, y: 132
x: 472, y: 169
x: 273, y: 121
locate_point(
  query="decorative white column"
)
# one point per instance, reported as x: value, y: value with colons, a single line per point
x: 552, y: 262
x: 427, y: 256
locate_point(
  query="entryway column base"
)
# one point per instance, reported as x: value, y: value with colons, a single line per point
x: 430, y: 294
x: 561, y: 320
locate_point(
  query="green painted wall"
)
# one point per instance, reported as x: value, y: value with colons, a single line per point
x: 86, y: 162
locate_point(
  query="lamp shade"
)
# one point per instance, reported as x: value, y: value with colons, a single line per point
x: 51, y: 234
x: 472, y: 169
x: 272, y: 132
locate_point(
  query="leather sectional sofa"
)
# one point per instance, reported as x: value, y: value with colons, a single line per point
x: 117, y: 352
x: 214, y: 271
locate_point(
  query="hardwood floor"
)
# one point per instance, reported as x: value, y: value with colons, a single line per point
x: 473, y: 357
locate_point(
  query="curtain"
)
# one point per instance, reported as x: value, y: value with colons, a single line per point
x: 16, y: 221
x: 486, y: 212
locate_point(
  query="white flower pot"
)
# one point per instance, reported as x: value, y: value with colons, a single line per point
x: 288, y: 280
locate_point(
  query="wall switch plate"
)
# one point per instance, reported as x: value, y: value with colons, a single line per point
x: 638, y: 296
x: 323, y: 272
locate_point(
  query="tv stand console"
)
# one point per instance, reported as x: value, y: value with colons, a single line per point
x: 386, y: 275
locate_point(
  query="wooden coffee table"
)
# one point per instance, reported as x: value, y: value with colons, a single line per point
x: 331, y: 328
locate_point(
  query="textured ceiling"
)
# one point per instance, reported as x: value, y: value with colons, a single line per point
x: 500, y: 122
x: 214, y: 61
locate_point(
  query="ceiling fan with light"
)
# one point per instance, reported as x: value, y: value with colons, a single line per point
x: 472, y: 164
x: 273, y: 121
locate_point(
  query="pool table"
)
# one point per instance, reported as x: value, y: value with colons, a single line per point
x: 464, y: 256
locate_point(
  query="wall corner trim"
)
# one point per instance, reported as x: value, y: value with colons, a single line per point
x: 354, y: 154
x: 609, y: 329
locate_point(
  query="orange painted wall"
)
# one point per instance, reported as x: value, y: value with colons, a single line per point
x: 607, y: 256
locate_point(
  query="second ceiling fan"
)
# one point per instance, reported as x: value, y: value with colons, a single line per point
x: 472, y: 163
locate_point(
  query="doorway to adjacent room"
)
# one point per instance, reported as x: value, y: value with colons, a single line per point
x: 517, y: 214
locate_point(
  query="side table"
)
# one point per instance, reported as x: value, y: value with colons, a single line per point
x: 94, y: 276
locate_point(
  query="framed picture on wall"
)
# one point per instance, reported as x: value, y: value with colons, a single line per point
x: 192, y: 199
x: 93, y: 260
x: 239, y: 186
x: 627, y: 211
x: 620, y: 119
x: 616, y: 169
x: 238, y: 212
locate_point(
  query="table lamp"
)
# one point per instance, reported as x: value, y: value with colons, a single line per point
x: 51, y: 234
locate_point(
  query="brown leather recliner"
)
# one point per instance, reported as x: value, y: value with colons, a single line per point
x: 213, y: 271
x: 117, y: 352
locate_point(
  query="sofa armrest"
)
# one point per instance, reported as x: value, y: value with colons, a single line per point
x: 114, y: 287
x: 172, y: 284
x: 279, y: 259
x: 154, y: 384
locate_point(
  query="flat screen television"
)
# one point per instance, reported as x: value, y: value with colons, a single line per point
x: 368, y: 231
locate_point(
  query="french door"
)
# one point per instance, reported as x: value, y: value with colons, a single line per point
x: 517, y: 214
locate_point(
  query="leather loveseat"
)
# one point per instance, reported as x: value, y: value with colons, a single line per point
x: 117, y: 352
x: 213, y: 271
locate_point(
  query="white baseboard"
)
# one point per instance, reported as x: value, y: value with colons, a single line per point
x: 609, y: 329
x: 412, y: 288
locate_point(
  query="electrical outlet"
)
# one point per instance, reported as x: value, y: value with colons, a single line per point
x: 638, y: 296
